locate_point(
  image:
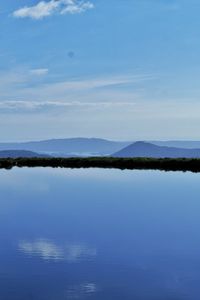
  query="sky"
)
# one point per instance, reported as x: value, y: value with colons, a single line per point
x: 115, y: 69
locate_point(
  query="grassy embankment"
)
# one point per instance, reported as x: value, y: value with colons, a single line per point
x: 166, y: 164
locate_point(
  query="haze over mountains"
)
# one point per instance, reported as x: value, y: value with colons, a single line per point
x: 144, y: 149
x: 86, y: 147
x: 19, y: 153
x: 69, y: 147
x: 178, y: 144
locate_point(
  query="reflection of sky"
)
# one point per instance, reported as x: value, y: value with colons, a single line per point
x: 81, y: 291
x: 144, y: 226
x: 49, y: 250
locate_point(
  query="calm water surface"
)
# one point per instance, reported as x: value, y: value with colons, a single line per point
x: 99, y: 234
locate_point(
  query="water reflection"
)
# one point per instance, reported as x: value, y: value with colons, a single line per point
x: 49, y: 250
x: 81, y: 291
x: 99, y: 234
x: 44, y: 249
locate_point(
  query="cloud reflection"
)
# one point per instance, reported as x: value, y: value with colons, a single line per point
x: 49, y: 250
x: 82, y: 290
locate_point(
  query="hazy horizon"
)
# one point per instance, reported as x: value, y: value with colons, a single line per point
x: 101, y: 138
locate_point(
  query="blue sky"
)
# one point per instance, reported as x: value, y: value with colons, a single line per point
x: 117, y: 69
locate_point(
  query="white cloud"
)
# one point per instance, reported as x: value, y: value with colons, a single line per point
x: 44, y: 106
x: 47, y: 8
x: 30, y: 85
x: 39, y: 72
x: 76, y: 8
x: 39, y: 11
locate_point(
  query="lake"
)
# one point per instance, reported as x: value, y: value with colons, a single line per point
x: 99, y: 234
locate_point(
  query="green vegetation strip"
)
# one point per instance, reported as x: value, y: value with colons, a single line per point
x: 166, y: 164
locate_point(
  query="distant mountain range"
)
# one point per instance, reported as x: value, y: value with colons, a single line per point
x: 69, y: 147
x: 144, y: 149
x: 19, y: 153
x: 178, y: 144
x: 85, y: 147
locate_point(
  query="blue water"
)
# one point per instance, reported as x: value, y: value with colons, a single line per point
x: 99, y: 234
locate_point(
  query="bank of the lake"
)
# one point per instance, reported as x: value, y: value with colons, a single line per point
x: 166, y: 164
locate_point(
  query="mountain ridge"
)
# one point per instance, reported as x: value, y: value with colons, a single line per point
x: 75, y: 146
x: 20, y: 153
x: 145, y: 149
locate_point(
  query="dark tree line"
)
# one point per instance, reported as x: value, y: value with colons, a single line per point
x: 166, y: 164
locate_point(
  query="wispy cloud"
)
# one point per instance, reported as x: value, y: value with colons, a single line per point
x: 45, y: 106
x: 32, y: 85
x: 47, y: 8
x: 39, y: 72
x: 11, y: 78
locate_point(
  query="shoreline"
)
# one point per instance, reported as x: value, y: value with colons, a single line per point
x: 163, y: 164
